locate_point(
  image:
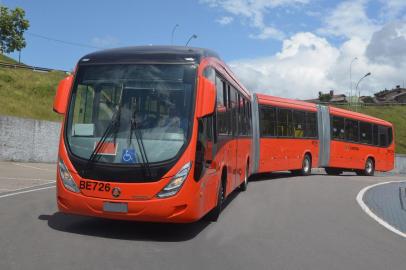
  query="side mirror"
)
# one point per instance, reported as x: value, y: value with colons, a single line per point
x: 206, y: 97
x: 62, y: 95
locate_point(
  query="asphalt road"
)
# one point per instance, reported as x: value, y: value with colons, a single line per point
x: 281, y: 222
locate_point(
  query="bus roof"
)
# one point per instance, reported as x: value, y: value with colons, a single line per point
x: 358, y: 116
x: 148, y: 53
x: 286, y: 102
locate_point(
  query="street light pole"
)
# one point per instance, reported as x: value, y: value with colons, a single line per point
x: 349, y: 98
x: 173, y: 32
x: 192, y: 37
x: 356, y: 88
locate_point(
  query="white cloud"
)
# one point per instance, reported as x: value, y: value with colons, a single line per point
x: 225, y: 20
x: 308, y: 63
x: 253, y: 12
x: 392, y: 8
x: 349, y: 19
x: 268, y: 32
x: 388, y: 45
x: 105, y: 41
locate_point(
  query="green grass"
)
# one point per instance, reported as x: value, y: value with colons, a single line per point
x: 393, y: 114
x: 27, y: 93
x: 6, y: 59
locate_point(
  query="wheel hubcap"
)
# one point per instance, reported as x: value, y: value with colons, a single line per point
x: 306, y: 165
x: 369, y: 166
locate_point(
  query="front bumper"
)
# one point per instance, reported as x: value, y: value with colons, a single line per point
x: 181, y: 208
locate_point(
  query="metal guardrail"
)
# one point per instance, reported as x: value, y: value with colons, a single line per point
x: 33, y: 68
x: 362, y: 104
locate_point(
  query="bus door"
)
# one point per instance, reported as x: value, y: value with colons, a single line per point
x: 234, y: 140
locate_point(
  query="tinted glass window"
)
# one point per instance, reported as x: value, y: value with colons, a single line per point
x: 299, y: 123
x: 209, y: 73
x: 284, y: 126
x: 366, y: 133
x: 338, y: 128
x: 383, y: 136
x: 351, y: 130
x: 267, y: 121
x: 222, y: 111
x: 375, y: 135
x: 311, y: 125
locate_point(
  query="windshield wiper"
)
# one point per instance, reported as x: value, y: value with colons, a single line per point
x: 138, y: 136
x: 111, y: 128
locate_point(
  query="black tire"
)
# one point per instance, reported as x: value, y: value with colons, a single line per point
x: 369, y: 169
x: 306, y: 166
x: 333, y: 171
x: 244, y: 184
x: 216, y: 211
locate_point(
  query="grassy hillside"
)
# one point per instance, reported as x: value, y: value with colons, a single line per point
x: 395, y: 115
x: 27, y: 93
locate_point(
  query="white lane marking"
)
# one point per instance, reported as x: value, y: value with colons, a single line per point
x: 34, y: 186
x: 367, y: 210
x: 32, y: 167
x: 28, y: 179
x: 25, y: 191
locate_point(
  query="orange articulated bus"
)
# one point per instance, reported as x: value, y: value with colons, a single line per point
x: 296, y: 136
x: 152, y: 133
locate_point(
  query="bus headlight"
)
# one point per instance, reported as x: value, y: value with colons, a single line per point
x: 176, y: 182
x: 66, y: 177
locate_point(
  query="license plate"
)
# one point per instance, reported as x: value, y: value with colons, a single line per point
x: 115, y: 207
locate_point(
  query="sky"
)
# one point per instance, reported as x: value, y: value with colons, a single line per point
x: 289, y: 48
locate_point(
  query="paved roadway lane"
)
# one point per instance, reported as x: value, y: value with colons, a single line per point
x: 281, y: 222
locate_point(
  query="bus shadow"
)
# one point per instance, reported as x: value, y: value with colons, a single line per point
x: 270, y: 176
x: 130, y: 230
x: 124, y: 230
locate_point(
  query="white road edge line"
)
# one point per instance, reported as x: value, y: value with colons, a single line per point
x: 367, y: 210
x: 32, y: 167
x: 25, y: 191
x: 25, y: 179
x: 34, y: 186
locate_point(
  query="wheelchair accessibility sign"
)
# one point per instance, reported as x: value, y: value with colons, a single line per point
x: 129, y: 156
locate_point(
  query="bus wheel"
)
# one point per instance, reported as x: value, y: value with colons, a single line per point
x: 214, y: 214
x: 369, y: 169
x: 333, y: 171
x: 306, y: 165
x: 244, y: 185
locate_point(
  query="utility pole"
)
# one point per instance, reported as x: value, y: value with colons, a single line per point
x: 192, y: 37
x: 349, y: 98
x: 173, y: 32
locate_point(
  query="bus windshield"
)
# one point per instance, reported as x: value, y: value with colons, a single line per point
x: 151, y: 103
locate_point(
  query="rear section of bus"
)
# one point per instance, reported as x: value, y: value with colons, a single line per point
x: 128, y: 140
x: 360, y: 143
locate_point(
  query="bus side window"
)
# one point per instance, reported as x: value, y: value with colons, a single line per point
x: 375, y: 135
x: 390, y: 135
x: 311, y: 125
x: 351, y: 130
x: 383, y: 136
x: 284, y: 127
x: 298, y: 123
x: 365, y: 133
x: 338, y: 128
x: 267, y: 121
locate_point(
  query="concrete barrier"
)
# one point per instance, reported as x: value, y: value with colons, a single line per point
x: 28, y: 140
x: 400, y: 164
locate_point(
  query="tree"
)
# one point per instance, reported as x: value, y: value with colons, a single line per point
x: 12, y: 27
